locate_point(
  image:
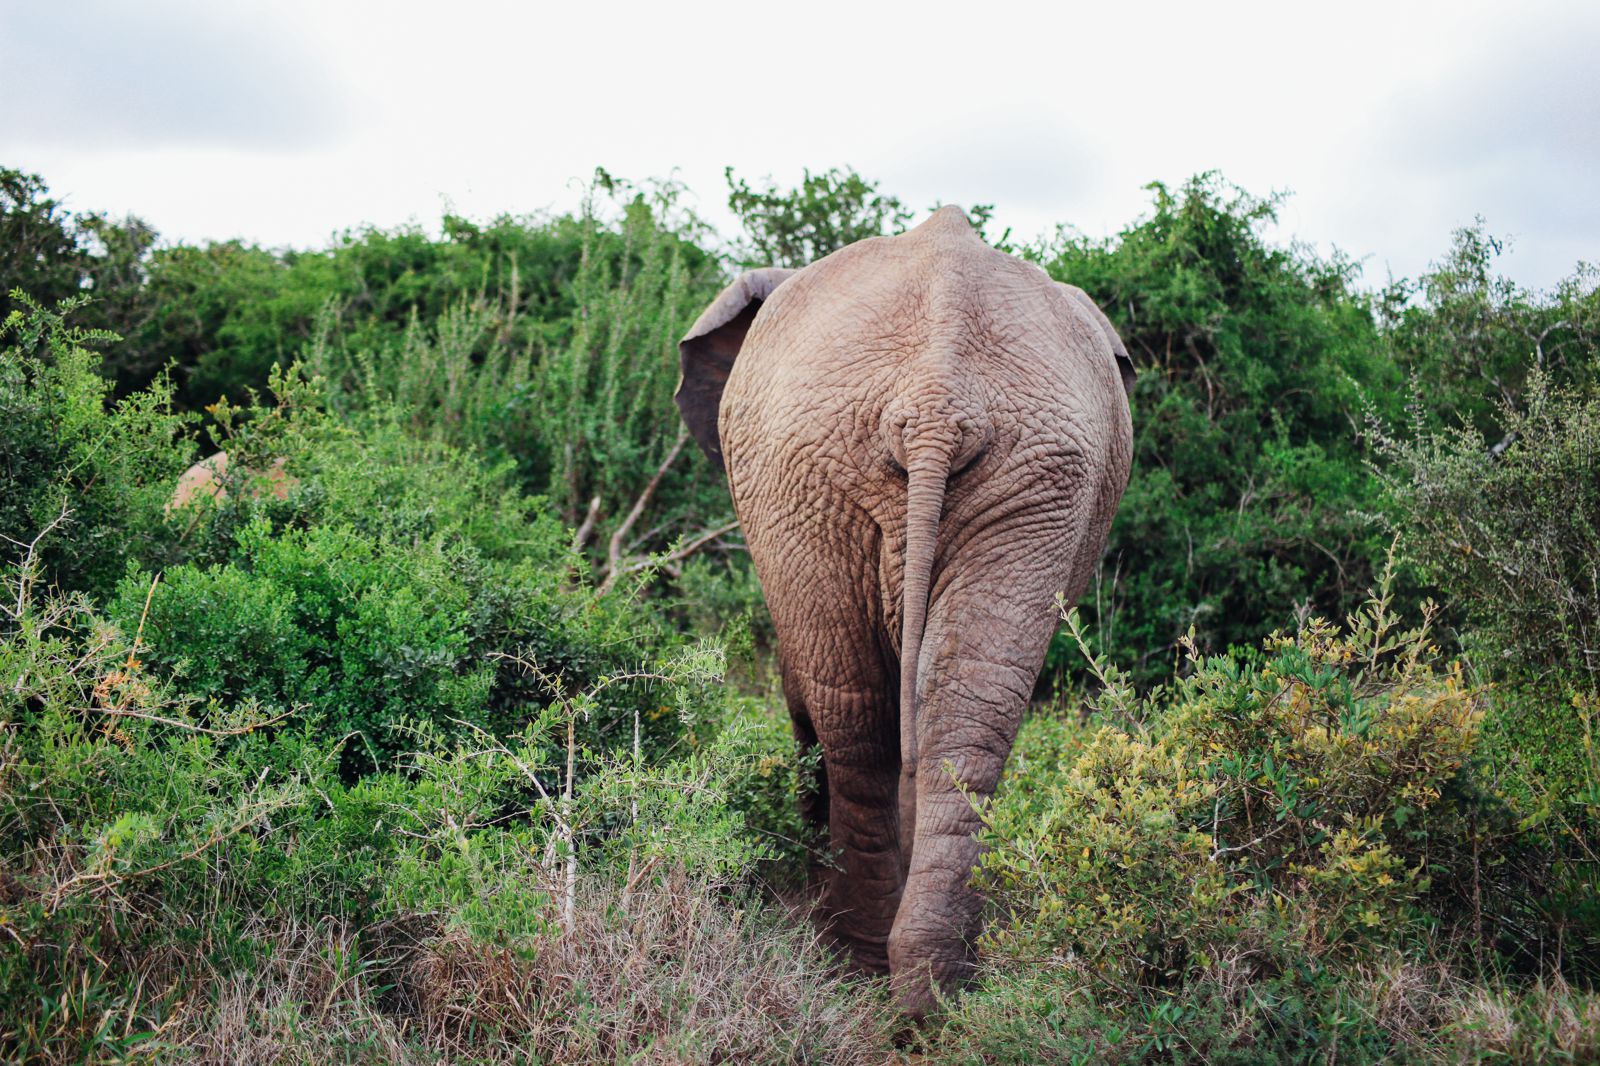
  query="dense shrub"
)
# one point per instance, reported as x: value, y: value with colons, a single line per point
x: 825, y: 212
x: 389, y: 700
x: 1311, y: 766
x: 1248, y: 490
x: 1218, y: 871
x: 585, y: 412
x: 400, y: 582
x: 1507, y: 521
x: 65, y: 451
x: 40, y: 250
x: 1512, y: 529
x: 165, y: 847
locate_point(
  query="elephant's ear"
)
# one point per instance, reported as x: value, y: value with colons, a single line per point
x: 1118, y: 349
x: 707, y: 352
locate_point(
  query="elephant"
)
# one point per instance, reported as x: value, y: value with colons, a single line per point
x: 205, y: 479
x: 925, y: 440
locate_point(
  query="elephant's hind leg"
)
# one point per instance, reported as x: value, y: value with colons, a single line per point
x: 971, y: 709
x: 861, y: 890
x: 813, y: 783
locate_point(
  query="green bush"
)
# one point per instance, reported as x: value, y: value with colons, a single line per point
x: 64, y: 450
x: 1311, y: 767
x: 227, y: 311
x: 1512, y: 529
x: 166, y: 843
x: 1247, y: 499
x: 400, y: 582
x: 583, y: 408
x: 1216, y: 871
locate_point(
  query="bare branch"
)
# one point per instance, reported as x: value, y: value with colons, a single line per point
x: 1220, y: 851
x: 26, y: 575
x: 586, y: 530
x: 676, y: 555
x: 239, y: 731
x: 89, y: 879
x: 614, y: 553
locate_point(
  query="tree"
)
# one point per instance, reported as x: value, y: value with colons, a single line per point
x: 1246, y: 506
x: 51, y: 254
x: 826, y: 212
x: 1475, y: 336
x: 39, y: 245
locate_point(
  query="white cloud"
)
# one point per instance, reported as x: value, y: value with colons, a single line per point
x: 284, y: 123
x: 103, y: 75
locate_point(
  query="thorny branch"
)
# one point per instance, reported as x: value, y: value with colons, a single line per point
x: 30, y: 562
x: 562, y: 811
x: 614, y: 552
x: 618, y: 560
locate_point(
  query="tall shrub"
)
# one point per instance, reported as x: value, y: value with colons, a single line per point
x: 67, y: 451
x: 1245, y: 507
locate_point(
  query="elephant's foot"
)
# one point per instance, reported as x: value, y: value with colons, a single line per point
x: 869, y: 959
x: 920, y: 989
x: 866, y: 953
x: 916, y: 994
x: 927, y: 968
x: 861, y: 895
x: 861, y: 939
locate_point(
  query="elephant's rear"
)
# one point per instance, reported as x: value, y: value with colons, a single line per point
x: 929, y: 339
x: 925, y: 440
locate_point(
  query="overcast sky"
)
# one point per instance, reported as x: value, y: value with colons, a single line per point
x: 1390, y: 122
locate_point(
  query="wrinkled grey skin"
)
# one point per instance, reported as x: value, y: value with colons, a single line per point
x: 925, y: 440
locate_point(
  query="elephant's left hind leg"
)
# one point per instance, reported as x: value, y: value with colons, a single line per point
x: 970, y: 713
x: 813, y: 777
x: 862, y: 767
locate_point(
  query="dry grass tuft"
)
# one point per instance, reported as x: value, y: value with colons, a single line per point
x: 1545, y: 1020
x: 678, y: 974
x: 316, y: 1001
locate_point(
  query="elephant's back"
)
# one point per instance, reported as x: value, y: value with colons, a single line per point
x: 924, y: 315
x: 929, y: 331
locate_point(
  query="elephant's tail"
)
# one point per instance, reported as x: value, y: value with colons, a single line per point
x: 927, y: 472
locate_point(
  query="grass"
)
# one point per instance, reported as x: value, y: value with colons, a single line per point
x: 674, y: 971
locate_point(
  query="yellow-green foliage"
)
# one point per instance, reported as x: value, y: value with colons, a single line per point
x: 1260, y: 800
x: 1213, y: 871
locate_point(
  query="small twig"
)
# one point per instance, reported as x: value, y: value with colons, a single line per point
x: 676, y: 555
x: 570, y: 903
x: 112, y: 877
x: 26, y: 570
x: 638, y: 761
x: 138, y: 634
x: 634, y: 879
x: 586, y: 530
x: 699, y: 542
x: 121, y: 712
x: 1221, y: 851
x: 614, y: 551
